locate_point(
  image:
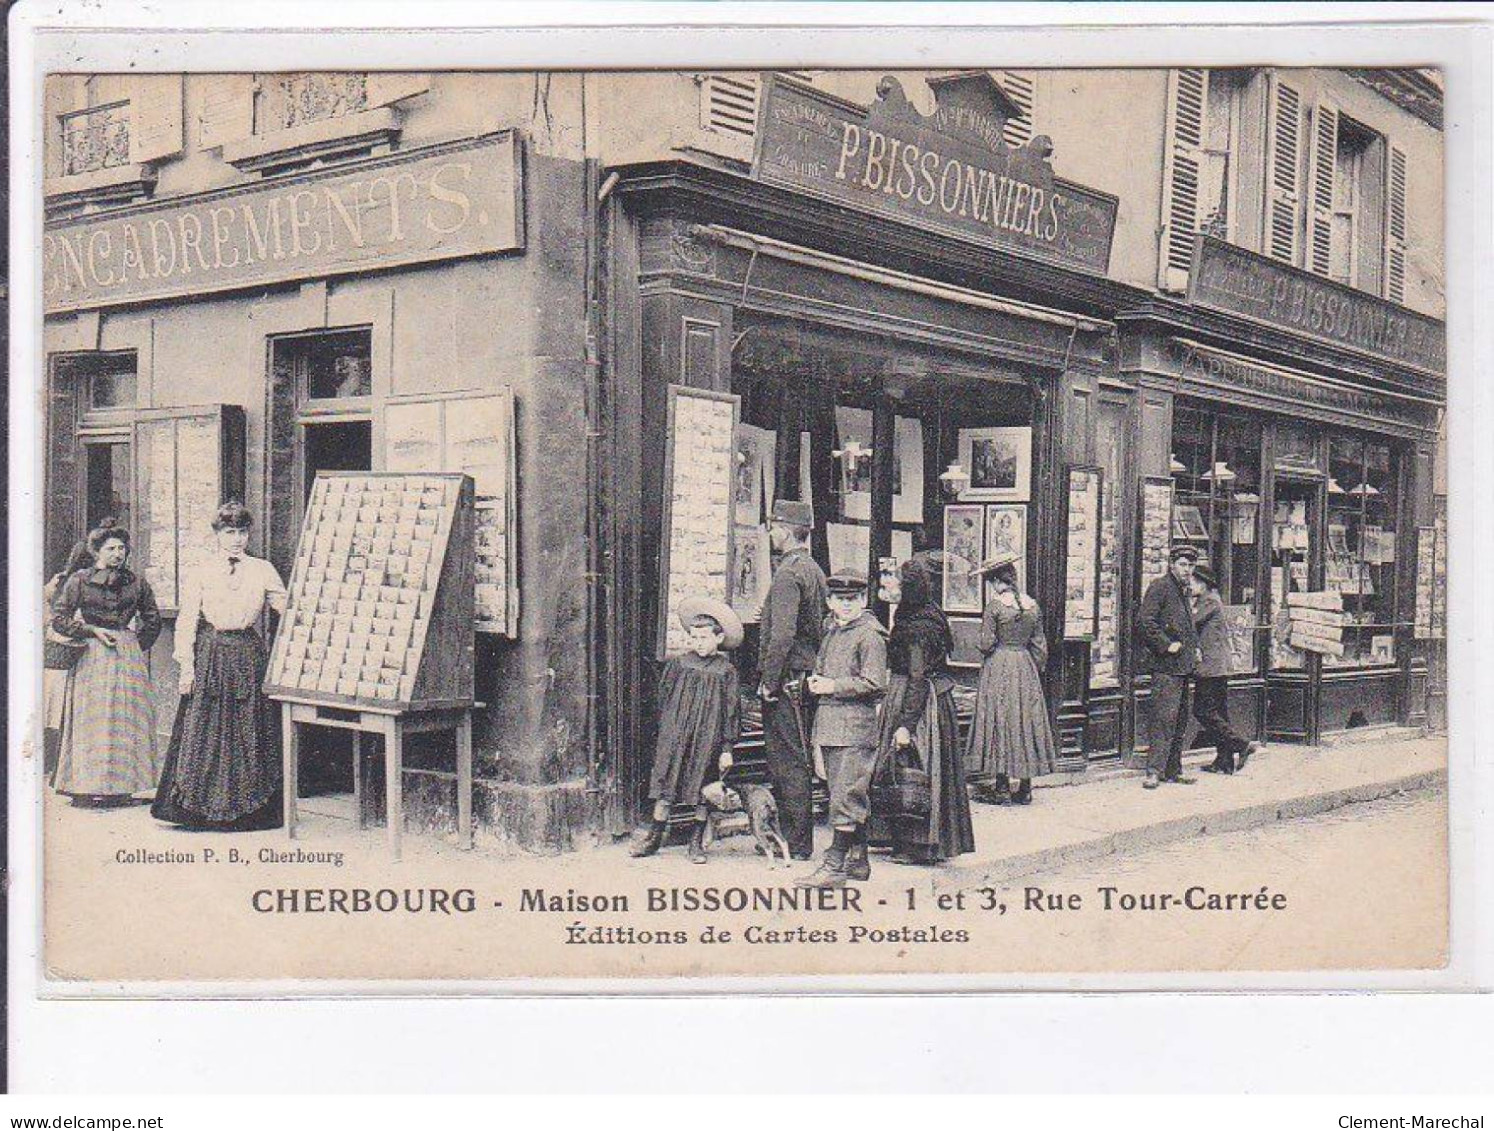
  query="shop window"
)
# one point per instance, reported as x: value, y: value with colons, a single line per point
x: 1216, y: 508
x: 1294, y: 523
x: 1360, y: 556
x: 113, y: 384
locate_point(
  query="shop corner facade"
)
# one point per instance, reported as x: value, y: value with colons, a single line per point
x: 1129, y: 307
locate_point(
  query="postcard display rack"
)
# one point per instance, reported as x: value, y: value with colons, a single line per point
x: 377, y: 637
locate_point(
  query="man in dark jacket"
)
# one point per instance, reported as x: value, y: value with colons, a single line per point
x: 1169, y: 651
x: 790, y: 633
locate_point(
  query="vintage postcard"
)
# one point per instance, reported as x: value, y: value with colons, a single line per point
x: 656, y: 527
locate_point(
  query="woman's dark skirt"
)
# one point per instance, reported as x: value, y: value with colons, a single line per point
x: 223, y: 763
x: 948, y: 832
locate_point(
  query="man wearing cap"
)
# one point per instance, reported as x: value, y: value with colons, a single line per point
x: 789, y: 640
x: 848, y: 682
x: 1211, y: 680
x: 1169, y: 650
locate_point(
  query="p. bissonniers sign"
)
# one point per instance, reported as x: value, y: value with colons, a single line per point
x: 950, y: 170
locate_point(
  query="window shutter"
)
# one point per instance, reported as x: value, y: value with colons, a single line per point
x: 155, y: 117
x: 1322, y: 185
x: 1395, y: 228
x: 63, y: 407
x: 728, y: 102
x: 1022, y: 87
x: 1283, y: 172
x: 1187, y: 97
x: 385, y: 88
x: 227, y: 109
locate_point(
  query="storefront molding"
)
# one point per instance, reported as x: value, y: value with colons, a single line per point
x: 693, y: 191
x: 1204, y: 369
x: 1146, y: 328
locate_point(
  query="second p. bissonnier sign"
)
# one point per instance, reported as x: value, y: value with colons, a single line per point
x: 950, y: 170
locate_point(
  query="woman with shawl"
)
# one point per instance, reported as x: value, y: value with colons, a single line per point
x: 917, y: 725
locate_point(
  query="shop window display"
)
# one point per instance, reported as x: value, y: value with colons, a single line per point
x: 1360, y: 554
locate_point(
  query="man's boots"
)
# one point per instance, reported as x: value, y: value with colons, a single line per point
x: 858, y: 866
x: 697, y: 843
x: 647, y: 839
x: 832, y: 870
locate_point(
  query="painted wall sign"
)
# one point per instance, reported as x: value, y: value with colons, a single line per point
x: 440, y: 202
x: 1300, y: 395
x: 950, y: 170
x: 1229, y: 278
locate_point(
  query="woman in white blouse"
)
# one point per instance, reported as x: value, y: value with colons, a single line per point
x: 223, y: 764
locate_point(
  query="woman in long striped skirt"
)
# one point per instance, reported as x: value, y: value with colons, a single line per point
x: 108, y: 737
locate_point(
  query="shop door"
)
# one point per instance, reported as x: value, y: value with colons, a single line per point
x: 1295, y: 567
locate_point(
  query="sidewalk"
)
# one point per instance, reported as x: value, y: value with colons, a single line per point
x: 1090, y: 820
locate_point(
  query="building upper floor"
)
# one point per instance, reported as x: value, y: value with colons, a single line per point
x: 1335, y: 172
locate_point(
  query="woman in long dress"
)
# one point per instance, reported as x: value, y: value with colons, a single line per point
x: 59, y: 654
x: 108, y: 750
x: 918, y: 720
x: 1011, y: 739
x: 223, y: 762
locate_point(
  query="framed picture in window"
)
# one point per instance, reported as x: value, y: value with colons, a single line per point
x: 999, y: 463
x: 964, y: 549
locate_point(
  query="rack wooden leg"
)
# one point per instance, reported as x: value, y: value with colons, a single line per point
x: 358, y: 778
x: 394, y: 760
x: 464, y: 782
x: 292, y: 768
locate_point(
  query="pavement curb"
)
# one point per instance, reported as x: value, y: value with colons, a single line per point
x: 1172, y: 831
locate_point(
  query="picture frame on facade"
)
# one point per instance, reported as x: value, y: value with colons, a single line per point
x: 999, y: 463
x: 752, y: 480
x: 964, y: 549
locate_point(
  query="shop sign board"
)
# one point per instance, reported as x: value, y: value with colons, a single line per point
x: 1301, y: 393
x: 1232, y: 279
x: 434, y: 203
x: 950, y: 170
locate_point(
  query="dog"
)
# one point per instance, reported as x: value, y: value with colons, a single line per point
x: 757, y: 803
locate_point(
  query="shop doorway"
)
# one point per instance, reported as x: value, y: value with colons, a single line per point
x: 321, y: 420
x: 346, y: 446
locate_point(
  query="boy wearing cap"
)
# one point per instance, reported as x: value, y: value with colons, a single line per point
x: 1169, y: 650
x: 1211, y: 680
x: 849, y: 680
x: 699, y: 713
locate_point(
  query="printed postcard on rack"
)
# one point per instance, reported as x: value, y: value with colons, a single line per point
x: 528, y: 527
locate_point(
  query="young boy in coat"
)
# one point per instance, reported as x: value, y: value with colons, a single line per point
x: 848, y: 681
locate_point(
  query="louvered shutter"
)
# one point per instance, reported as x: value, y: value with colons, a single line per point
x: 155, y: 117
x: 1320, y: 259
x: 62, y: 470
x: 728, y: 102
x: 1395, y: 228
x: 385, y: 87
x: 1022, y: 87
x: 1187, y: 97
x: 226, y: 110
x: 1283, y: 172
